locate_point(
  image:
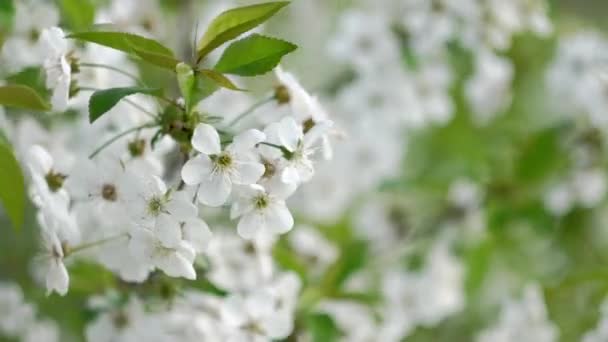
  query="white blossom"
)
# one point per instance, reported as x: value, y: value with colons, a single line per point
x: 262, y: 209
x: 216, y: 170
x: 57, y: 66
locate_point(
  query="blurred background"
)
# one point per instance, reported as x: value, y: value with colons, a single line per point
x: 482, y: 161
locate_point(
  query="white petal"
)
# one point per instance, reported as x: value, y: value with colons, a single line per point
x: 232, y: 311
x: 158, y: 185
x: 181, y: 206
x: 197, y: 232
x: 328, y: 151
x: 53, y: 41
x: 142, y: 243
x: 305, y: 170
x: 249, y: 225
x: 176, y: 265
x: 278, y: 326
x: 57, y: 278
x: 290, y: 133
x: 196, y: 169
x: 319, y: 130
x: 168, y: 231
x: 40, y: 161
x: 240, y: 207
x: 278, y: 218
x: 215, y: 191
x: 259, y: 304
x: 247, y: 140
x: 248, y: 172
x: 206, y: 139
x: 61, y: 93
x: 279, y: 189
x: 290, y: 175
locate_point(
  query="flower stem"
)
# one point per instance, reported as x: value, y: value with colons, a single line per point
x: 113, y: 68
x: 120, y: 135
x: 92, y: 244
x: 250, y: 110
x: 279, y: 147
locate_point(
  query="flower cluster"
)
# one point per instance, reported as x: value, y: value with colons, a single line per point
x: 19, y: 319
x: 420, y: 169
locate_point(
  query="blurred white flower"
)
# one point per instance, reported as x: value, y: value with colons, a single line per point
x: 522, y: 320
x: 57, y: 67
x: 489, y: 90
x: 163, y: 247
x: 254, y: 317
x: 57, y: 277
x: 22, y: 47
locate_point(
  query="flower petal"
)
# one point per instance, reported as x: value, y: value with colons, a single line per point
x: 290, y: 175
x: 57, y: 278
x: 196, y: 169
x: 180, y: 206
x: 39, y: 160
x: 290, y: 133
x: 197, y: 232
x: 168, y: 231
x: 215, y: 191
x: 206, y: 139
x: 249, y: 225
x: 248, y: 172
x: 247, y: 140
x: 176, y: 265
x: 278, y: 218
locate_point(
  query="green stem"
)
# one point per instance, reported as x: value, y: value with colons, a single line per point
x: 250, y: 110
x: 272, y: 145
x: 141, y: 108
x: 92, y: 244
x: 120, y: 135
x: 113, y: 68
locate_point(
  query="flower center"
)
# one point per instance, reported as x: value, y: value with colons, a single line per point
x: 109, y: 193
x: 261, y: 201
x: 55, y: 180
x: 33, y: 35
x: 269, y: 168
x: 222, y: 161
x: 308, y: 125
x: 137, y: 147
x: 281, y: 94
x: 254, y: 328
x: 120, y: 319
x: 155, y: 206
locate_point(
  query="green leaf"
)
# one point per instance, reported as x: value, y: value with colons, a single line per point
x: 163, y: 61
x: 20, y: 96
x: 322, y: 328
x: 79, y: 14
x: 7, y: 15
x: 147, y: 49
x: 219, y: 79
x: 234, y: 22
x: 12, y: 187
x: 253, y: 55
x: 203, y: 88
x: 32, y: 77
x: 103, y: 100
